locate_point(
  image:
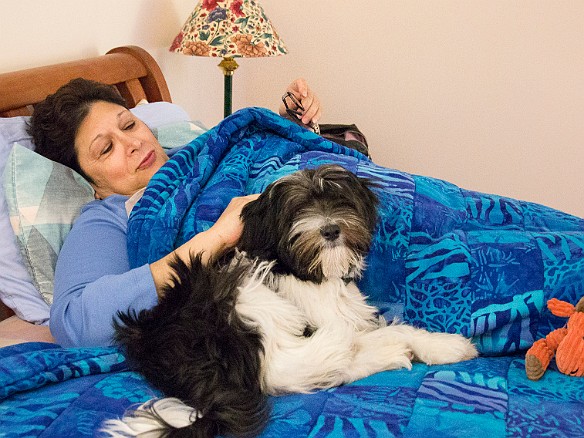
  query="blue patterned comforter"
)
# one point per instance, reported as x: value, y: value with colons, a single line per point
x: 48, y: 391
x: 443, y: 257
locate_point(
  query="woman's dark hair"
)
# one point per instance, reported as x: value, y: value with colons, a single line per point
x: 55, y: 120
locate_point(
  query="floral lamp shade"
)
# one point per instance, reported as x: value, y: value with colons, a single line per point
x: 230, y: 28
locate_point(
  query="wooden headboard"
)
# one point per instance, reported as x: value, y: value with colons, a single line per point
x: 130, y: 68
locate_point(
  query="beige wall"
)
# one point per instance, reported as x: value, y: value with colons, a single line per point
x: 486, y: 94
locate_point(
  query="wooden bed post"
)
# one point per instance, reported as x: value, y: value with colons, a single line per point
x: 153, y: 84
x: 130, y: 68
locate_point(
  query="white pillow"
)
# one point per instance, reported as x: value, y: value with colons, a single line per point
x: 158, y: 114
x: 17, y: 286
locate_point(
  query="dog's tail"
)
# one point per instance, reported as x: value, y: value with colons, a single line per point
x: 155, y: 417
x: 196, y: 349
x: 170, y: 417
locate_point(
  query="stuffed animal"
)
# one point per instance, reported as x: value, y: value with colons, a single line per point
x: 567, y: 343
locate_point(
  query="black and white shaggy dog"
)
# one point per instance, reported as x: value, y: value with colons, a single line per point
x: 283, y: 315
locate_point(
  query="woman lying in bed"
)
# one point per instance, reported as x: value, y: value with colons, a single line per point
x: 87, y: 126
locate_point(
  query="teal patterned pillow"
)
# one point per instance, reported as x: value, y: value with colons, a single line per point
x: 42, y: 205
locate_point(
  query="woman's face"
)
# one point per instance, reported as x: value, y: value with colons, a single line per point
x: 117, y: 150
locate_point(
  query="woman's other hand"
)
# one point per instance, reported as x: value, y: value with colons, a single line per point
x: 223, y: 235
x: 310, y: 101
x: 228, y: 228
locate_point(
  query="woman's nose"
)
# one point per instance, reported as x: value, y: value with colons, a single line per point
x: 132, y: 144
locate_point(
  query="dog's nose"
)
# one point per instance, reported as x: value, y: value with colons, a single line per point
x: 330, y: 232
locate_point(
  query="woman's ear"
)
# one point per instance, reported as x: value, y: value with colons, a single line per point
x: 96, y: 192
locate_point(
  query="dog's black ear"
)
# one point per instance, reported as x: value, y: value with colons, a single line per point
x: 370, y: 200
x: 258, y: 238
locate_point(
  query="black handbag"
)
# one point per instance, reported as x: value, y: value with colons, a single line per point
x: 346, y: 135
x: 343, y: 134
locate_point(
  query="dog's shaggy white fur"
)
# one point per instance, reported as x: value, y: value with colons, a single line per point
x: 288, y: 316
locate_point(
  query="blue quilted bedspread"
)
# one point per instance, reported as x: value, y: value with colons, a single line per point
x: 48, y: 391
x: 444, y: 258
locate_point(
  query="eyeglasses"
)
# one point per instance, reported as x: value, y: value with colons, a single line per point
x: 296, y: 113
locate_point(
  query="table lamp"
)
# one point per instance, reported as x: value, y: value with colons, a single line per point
x: 228, y: 29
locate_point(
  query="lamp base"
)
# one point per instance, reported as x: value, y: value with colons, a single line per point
x: 228, y: 65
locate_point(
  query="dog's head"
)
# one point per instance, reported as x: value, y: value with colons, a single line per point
x: 317, y: 224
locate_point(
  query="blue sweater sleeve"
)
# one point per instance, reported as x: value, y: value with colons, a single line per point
x: 93, y: 280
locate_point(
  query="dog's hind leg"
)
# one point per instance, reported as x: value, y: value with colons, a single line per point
x: 305, y: 363
x: 377, y: 351
x: 432, y: 348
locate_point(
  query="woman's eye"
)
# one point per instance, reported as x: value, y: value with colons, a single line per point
x: 129, y: 126
x: 106, y: 149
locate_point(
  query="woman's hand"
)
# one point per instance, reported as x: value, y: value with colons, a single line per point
x: 228, y: 228
x: 310, y: 101
x: 223, y: 235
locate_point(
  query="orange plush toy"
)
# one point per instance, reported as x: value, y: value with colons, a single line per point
x: 567, y: 343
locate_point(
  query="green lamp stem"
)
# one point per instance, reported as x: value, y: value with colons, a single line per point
x: 228, y: 66
x: 227, y: 79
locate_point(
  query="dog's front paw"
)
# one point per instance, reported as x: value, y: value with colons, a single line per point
x: 385, y: 357
x: 442, y: 348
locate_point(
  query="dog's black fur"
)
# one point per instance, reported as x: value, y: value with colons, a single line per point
x: 194, y: 346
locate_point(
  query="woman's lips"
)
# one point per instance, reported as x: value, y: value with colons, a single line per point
x: 147, y: 161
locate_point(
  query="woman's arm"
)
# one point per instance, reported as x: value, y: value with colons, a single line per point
x: 93, y: 280
x: 307, y: 98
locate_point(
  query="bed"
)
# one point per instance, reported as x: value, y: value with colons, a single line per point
x: 47, y: 390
